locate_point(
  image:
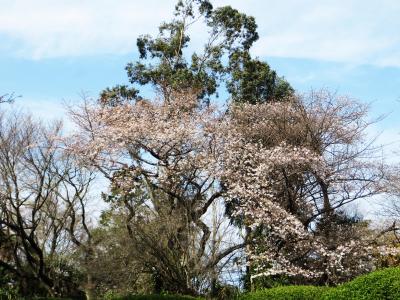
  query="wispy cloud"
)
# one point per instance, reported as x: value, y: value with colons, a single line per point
x: 358, y: 31
x: 352, y: 31
x: 46, y: 28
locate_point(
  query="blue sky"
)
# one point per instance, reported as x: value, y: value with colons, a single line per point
x: 52, y: 51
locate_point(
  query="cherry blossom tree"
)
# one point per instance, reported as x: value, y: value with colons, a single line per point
x: 290, y: 168
x: 161, y: 158
x: 285, y: 168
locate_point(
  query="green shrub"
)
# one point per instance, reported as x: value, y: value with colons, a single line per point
x: 286, y: 293
x: 379, y: 285
x: 8, y: 293
x: 383, y: 284
x: 267, y: 282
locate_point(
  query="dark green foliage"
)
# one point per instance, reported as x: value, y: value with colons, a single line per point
x: 253, y: 81
x: 222, y: 291
x: 224, y: 61
x: 268, y: 282
x: 118, y: 95
x: 8, y: 292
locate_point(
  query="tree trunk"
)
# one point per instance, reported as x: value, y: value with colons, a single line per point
x: 89, y: 288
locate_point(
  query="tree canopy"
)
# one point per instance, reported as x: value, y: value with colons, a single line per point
x: 224, y: 62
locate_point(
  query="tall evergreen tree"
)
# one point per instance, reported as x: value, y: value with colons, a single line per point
x: 224, y: 61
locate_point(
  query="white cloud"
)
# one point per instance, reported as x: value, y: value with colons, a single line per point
x: 359, y: 32
x: 46, y: 28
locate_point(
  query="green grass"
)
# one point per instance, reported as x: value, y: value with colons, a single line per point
x: 379, y: 285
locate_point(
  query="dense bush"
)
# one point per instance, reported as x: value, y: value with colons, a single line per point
x: 8, y: 293
x: 383, y: 284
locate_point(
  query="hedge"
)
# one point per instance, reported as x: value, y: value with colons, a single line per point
x: 383, y: 284
x: 379, y: 285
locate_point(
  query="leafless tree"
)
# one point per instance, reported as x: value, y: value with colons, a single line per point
x: 39, y: 190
